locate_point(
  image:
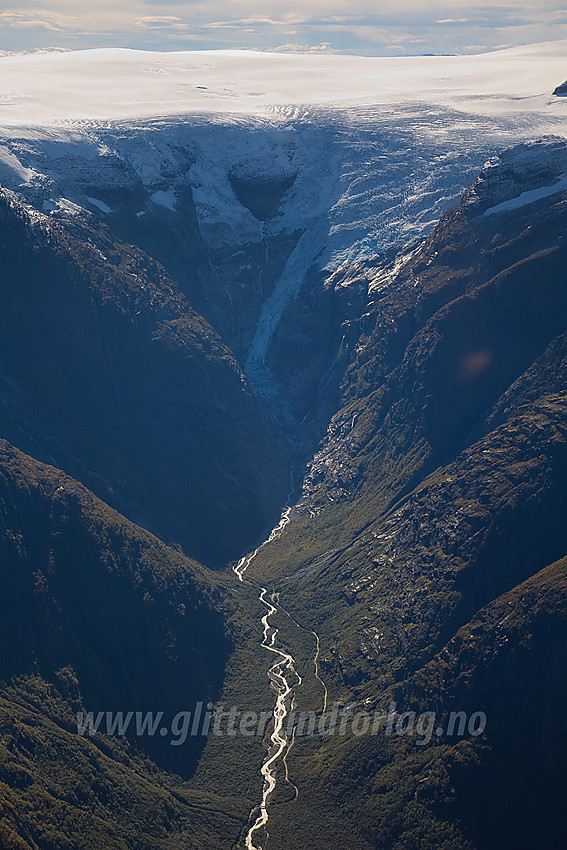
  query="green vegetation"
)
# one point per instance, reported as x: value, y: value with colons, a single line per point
x: 419, y: 552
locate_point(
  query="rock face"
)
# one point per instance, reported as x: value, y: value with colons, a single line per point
x: 561, y: 91
x: 516, y: 176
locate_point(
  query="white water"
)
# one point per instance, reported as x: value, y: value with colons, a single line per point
x: 317, y: 676
x: 284, y: 663
x: 245, y: 562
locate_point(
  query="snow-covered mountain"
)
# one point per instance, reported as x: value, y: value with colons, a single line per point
x: 374, y: 143
x: 266, y: 165
x: 114, y: 84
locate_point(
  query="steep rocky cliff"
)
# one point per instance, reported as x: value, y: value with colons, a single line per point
x: 110, y: 374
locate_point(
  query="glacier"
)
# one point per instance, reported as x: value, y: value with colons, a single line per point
x: 359, y: 156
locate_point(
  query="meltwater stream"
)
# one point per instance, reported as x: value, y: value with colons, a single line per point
x: 284, y: 678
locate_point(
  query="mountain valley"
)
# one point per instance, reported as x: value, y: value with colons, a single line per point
x: 288, y: 379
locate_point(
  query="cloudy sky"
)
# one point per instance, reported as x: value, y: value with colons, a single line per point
x: 381, y: 27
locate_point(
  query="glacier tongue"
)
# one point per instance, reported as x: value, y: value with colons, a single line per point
x: 311, y: 243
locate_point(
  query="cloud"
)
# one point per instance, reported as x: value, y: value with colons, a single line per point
x: 237, y: 23
x: 37, y: 23
x: 161, y: 22
x: 159, y: 19
x: 15, y: 19
x: 35, y: 51
x: 405, y: 26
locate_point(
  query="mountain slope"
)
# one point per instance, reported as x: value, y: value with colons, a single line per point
x: 108, y: 373
x: 501, y: 789
x: 97, y: 615
x: 438, y: 494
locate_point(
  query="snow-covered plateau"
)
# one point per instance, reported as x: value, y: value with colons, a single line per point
x: 320, y: 160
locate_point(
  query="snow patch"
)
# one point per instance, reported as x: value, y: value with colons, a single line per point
x: 12, y: 172
x: 100, y: 204
x: 165, y: 199
x: 529, y: 197
x: 63, y: 206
